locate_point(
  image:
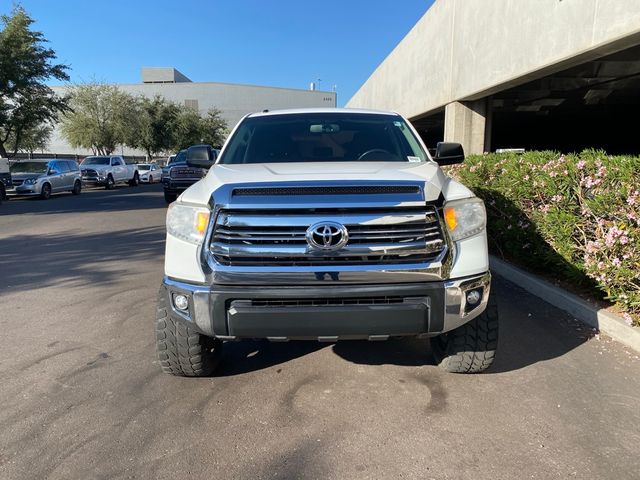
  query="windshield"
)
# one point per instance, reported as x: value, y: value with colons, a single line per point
x: 29, y: 167
x: 181, y: 156
x: 144, y: 167
x: 313, y: 137
x: 95, y: 161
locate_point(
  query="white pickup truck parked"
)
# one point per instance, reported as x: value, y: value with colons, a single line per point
x: 108, y: 170
x: 326, y: 224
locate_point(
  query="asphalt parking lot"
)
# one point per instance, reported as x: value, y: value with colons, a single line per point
x: 83, y: 397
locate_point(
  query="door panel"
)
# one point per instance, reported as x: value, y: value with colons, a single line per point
x: 56, y: 180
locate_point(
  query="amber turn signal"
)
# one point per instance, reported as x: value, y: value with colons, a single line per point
x: 202, y: 218
x: 450, y: 218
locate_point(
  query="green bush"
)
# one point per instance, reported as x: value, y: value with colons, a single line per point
x: 575, y: 217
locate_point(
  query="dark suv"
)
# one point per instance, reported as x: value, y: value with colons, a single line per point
x: 177, y: 176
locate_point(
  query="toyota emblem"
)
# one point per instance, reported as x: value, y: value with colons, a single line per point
x: 327, y: 236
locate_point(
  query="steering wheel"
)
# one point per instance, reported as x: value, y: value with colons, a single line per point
x: 373, y: 150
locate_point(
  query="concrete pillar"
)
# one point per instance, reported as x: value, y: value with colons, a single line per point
x: 465, y: 123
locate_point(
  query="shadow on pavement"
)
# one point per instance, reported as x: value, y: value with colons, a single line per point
x: 253, y: 355
x: 121, y: 198
x: 531, y: 331
x: 34, y: 261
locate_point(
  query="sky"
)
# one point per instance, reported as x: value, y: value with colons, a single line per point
x: 282, y: 43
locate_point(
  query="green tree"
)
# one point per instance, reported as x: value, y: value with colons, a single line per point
x: 190, y: 128
x: 187, y: 129
x: 32, y: 139
x: 100, y: 117
x: 214, y: 128
x: 25, y: 65
x: 153, y: 125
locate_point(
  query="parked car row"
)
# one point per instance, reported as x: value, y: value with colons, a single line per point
x: 44, y: 177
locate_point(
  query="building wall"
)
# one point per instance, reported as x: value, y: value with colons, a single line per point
x: 467, y: 49
x: 235, y: 101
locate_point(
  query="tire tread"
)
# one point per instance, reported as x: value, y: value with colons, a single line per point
x: 470, y: 348
x: 181, y: 350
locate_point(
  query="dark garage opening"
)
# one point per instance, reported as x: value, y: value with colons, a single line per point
x: 595, y: 104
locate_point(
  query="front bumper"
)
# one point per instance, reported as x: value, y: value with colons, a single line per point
x: 100, y: 181
x: 327, y: 313
x: 24, y: 191
x: 177, y: 186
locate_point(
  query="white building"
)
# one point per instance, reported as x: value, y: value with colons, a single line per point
x: 234, y: 100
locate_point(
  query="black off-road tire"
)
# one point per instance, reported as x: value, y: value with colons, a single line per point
x: 77, y: 187
x: 45, y: 193
x: 169, y: 197
x: 135, y: 180
x: 110, y: 183
x: 470, y: 348
x: 181, y: 350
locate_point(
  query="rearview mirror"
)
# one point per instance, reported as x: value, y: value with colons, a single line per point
x: 448, y: 153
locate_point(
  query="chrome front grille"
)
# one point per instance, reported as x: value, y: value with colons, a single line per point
x: 185, y: 172
x: 17, y: 183
x: 266, y: 237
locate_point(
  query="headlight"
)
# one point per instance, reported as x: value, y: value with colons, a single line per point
x: 187, y: 223
x: 30, y: 181
x: 465, y: 218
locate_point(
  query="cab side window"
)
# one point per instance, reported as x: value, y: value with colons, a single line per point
x: 115, y: 161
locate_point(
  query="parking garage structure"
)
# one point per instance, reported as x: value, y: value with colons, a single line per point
x: 532, y: 74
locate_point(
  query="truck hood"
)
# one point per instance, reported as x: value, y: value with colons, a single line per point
x: 427, y: 173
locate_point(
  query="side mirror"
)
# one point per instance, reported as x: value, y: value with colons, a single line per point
x: 448, y: 153
x: 200, y: 156
x: 52, y: 172
x: 200, y: 163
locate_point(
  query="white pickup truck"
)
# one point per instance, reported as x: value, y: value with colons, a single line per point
x: 326, y: 224
x: 108, y: 171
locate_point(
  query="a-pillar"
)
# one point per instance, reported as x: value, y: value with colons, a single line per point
x: 467, y: 123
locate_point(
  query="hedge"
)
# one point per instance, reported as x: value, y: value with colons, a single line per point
x: 572, y: 217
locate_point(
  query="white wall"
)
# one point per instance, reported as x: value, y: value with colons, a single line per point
x: 465, y: 49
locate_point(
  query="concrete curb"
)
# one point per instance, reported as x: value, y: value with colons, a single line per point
x: 608, y: 323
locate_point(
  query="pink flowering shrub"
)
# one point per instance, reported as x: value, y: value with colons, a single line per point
x: 576, y: 217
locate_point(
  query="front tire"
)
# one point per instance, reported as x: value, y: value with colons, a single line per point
x: 45, y: 193
x: 181, y: 350
x: 169, y: 197
x: 470, y: 348
x: 135, y: 180
x: 110, y: 183
x: 77, y: 188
